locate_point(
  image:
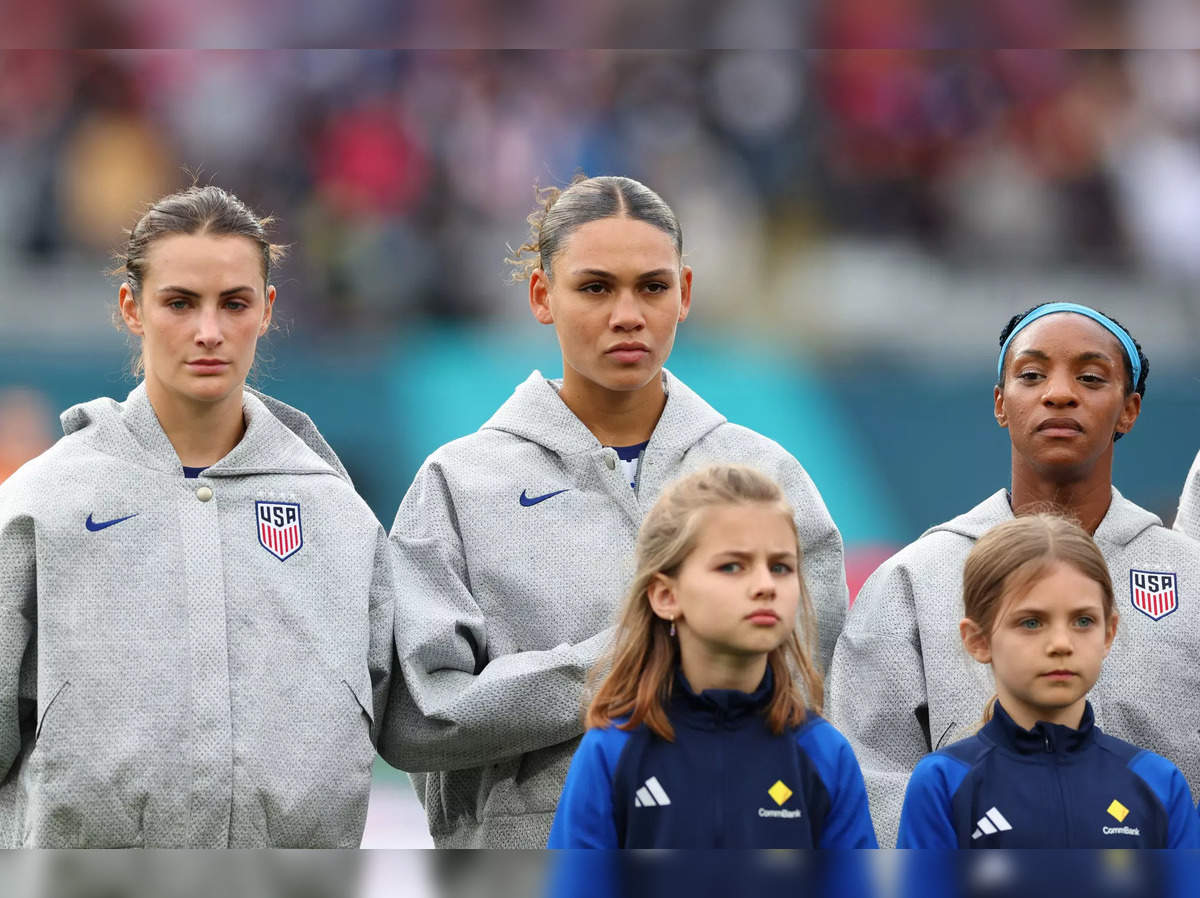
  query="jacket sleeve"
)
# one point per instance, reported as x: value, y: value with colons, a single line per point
x: 848, y: 823
x: 18, y: 616
x: 927, y: 818
x: 1169, y: 785
x: 1188, y: 519
x: 876, y: 691
x: 453, y: 706
x: 585, y: 817
x: 381, y: 652
x: 824, y: 561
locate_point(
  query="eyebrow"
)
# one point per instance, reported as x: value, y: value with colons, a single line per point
x: 1094, y: 610
x: 748, y: 553
x: 1089, y: 356
x: 186, y: 292
x: 600, y: 272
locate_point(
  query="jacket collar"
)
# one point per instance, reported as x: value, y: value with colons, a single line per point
x: 1044, y: 738
x: 131, y: 430
x: 535, y: 412
x: 714, y: 707
x: 1122, y: 523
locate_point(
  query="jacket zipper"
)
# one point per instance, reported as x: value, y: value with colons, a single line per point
x: 1062, y: 795
x: 720, y: 754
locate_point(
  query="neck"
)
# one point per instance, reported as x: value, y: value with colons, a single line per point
x: 615, y: 418
x: 1086, y: 495
x: 1027, y: 716
x: 713, y: 670
x: 202, y: 432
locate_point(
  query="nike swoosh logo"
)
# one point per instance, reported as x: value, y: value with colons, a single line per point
x: 526, y: 501
x: 100, y: 525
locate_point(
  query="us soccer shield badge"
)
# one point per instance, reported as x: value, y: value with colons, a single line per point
x: 1154, y: 593
x: 279, y: 528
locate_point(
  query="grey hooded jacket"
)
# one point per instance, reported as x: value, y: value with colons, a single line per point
x: 515, y: 546
x: 1188, y: 519
x: 165, y: 678
x: 902, y: 684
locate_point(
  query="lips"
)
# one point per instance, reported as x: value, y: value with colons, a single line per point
x: 763, y: 618
x: 628, y: 352
x: 1060, y: 427
x: 1059, y: 674
x: 207, y: 366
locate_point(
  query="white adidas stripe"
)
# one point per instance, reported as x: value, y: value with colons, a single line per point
x: 652, y: 794
x: 991, y: 822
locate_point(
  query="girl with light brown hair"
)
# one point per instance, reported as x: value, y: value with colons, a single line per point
x: 1039, y: 610
x: 707, y: 732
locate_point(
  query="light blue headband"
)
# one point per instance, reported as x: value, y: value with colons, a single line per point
x: 1135, y: 361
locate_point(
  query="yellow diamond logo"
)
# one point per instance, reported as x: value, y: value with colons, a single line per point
x: 779, y: 792
x: 1118, y: 810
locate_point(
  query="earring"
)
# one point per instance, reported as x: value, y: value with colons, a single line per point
x: 672, y: 633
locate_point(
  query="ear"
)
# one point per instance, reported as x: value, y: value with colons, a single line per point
x: 661, y: 595
x: 539, y: 296
x: 1129, y: 414
x: 131, y: 314
x: 998, y: 403
x: 1110, y: 632
x: 685, y: 291
x: 266, y: 321
x: 975, y: 641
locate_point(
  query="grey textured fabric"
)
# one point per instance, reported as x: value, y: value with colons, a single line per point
x: 900, y: 652
x: 502, y: 606
x: 167, y: 681
x: 1187, y: 520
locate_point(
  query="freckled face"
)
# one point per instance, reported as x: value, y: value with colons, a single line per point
x: 202, y: 308
x: 615, y: 295
x: 1064, y: 393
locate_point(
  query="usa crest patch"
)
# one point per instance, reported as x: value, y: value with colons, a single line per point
x: 279, y: 528
x: 1154, y: 593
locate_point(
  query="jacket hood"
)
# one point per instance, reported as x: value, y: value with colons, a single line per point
x: 1122, y: 523
x: 278, y: 440
x: 535, y: 412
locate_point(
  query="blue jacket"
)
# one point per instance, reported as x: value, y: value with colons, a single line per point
x: 725, y: 782
x: 1049, y: 787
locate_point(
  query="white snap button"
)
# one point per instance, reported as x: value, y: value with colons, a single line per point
x: 204, y: 493
x: 610, y: 461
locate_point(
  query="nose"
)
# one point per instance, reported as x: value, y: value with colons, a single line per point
x: 763, y: 584
x: 1060, y: 391
x: 626, y: 312
x: 208, y: 327
x: 1059, y: 640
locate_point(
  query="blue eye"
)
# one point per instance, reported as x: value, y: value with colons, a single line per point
x: 730, y: 567
x: 1085, y: 621
x: 781, y: 567
x: 1030, y: 623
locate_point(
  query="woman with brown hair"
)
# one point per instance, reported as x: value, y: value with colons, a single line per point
x: 706, y: 733
x: 195, y: 605
x: 514, y: 541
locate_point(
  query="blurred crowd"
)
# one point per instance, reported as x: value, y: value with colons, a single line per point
x: 399, y: 177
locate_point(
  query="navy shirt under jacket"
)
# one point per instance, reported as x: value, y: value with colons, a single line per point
x: 1048, y: 787
x: 726, y: 781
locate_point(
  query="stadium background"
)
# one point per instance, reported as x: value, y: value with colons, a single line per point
x: 861, y: 225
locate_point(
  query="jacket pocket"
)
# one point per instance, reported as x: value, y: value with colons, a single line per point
x: 73, y: 795
x: 310, y: 765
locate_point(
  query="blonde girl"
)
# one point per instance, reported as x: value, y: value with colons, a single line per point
x: 1039, y: 610
x: 706, y: 732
